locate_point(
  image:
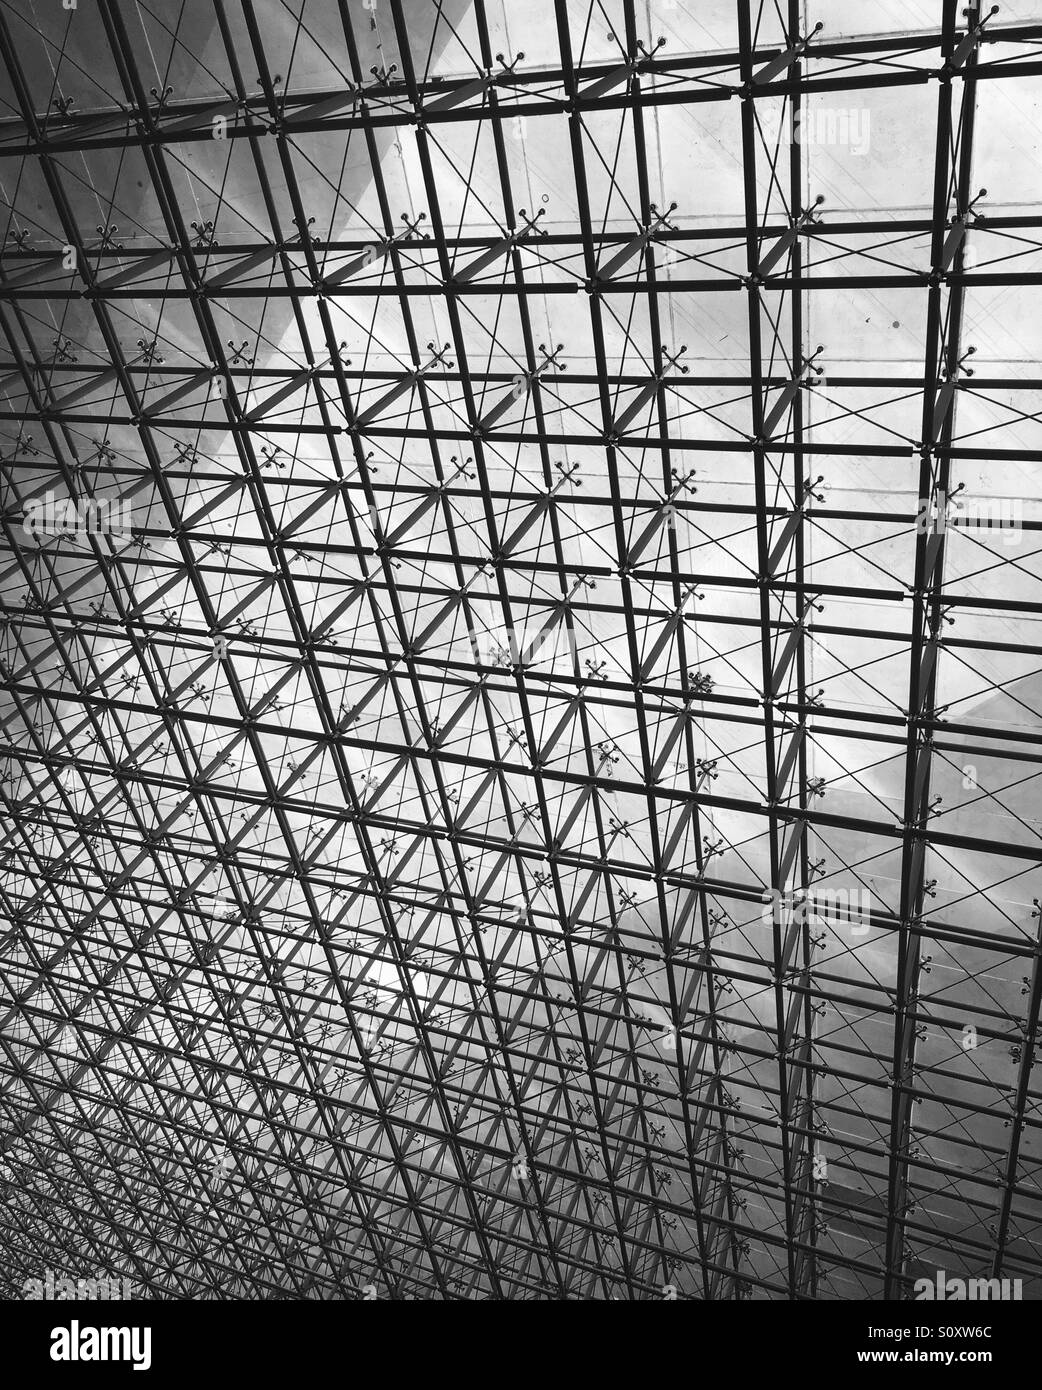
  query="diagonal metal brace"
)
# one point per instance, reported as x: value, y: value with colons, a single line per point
x: 785, y: 60
x: 807, y: 218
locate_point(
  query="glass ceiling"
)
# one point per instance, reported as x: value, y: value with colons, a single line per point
x: 520, y: 681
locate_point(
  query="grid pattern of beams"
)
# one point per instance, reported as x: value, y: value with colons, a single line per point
x: 499, y: 801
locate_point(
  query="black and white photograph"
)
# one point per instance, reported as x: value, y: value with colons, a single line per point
x: 520, y: 682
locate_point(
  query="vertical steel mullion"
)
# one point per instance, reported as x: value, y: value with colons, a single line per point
x: 559, y: 558
x: 923, y: 620
x: 460, y: 347
x: 300, y: 212
x: 400, y: 618
x: 806, y: 1281
x: 662, y: 412
x: 776, y: 825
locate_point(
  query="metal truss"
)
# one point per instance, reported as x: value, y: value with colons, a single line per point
x: 523, y: 808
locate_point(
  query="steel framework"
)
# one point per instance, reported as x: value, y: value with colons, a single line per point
x: 527, y: 816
